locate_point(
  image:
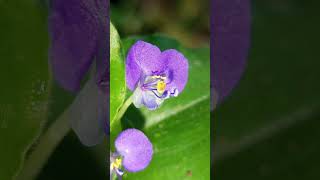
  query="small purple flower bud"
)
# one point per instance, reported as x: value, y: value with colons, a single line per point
x: 135, y: 149
x: 154, y: 76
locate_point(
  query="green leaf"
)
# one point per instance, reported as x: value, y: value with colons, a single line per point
x: 24, y: 77
x: 117, y: 78
x: 270, y: 121
x: 180, y: 129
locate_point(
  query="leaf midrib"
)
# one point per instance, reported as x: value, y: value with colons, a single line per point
x: 174, y: 111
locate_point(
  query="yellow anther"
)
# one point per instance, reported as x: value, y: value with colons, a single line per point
x: 159, y: 77
x: 161, y: 86
x: 116, y: 163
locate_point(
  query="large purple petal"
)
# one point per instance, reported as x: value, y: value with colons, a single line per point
x: 143, y: 58
x: 73, y: 27
x: 103, y: 53
x: 231, y: 27
x: 135, y: 148
x: 178, y: 67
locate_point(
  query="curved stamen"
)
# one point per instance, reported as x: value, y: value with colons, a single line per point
x: 175, y: 92
x: 155, y: 93
x: 151, y: 82
x: 163, y: 96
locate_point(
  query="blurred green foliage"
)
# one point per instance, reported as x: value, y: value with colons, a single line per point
x: 186, y: 20
x: 24, y: 81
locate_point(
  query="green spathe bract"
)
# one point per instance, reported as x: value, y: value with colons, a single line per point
x: 117, y: 78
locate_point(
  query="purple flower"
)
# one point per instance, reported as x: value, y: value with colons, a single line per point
x: 78, y: 32
x: 230, y: 24
x: 154, y: 76
x: 133, y: 152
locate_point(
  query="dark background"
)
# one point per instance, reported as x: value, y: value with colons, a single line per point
x: 268, y: 127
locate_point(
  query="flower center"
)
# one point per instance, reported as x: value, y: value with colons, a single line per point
x: 152, y: 90
x: 161, y: 86
x: 156, y: 84
x: 116, y: 164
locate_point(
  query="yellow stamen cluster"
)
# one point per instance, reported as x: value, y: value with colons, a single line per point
x: 116, y: 164
x: 161, y: 86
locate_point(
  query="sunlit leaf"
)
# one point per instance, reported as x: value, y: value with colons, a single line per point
x: 117, y: 81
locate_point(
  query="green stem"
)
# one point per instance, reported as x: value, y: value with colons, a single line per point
x: 45, y: 147
x: 50, y: 140
x: 121, y: 112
